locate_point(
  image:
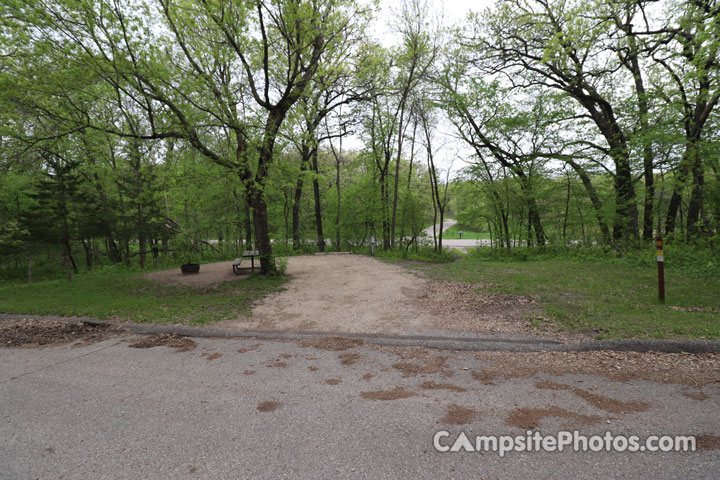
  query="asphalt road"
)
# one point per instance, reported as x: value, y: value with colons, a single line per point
x: 109, y: 411
x: 459, y: 243
x: 447, y: 223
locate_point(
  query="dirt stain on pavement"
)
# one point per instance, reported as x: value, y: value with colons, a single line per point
x: 699, y: 396
x: 458, y: 415
x: 335, y: 344
x: 486, y: 378
x: 312, y: 368
x: 430, y: 385
x: 332, y: 381
x: 349, y: 358
x: 528, y: 418
x: 180, y: 344
x: 277, y: 364
x: 707, y: 442
x: 212, y: 356
x: 249, y: 349
x: 599, y: 401
x: 394, y: 394
x: 268, y: 406
x: 248, y: 372
x: 367, y: 376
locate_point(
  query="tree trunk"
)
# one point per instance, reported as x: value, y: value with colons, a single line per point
x: 626, y: 214
x: 633, y: 64
x: 318, y: 204
x: 262, y: 233
x: 87, y: 246
x: 533, y: 211
x: 594, y: 199
x: 256, y: 187
x: 141, y: 236
x: 506, y: 228
x: 68, y: 269
x: 694, y: 229
x: 397, y: 174
x: 28, y: 260
x: 676, y: 197
x: 247, y: 221
x: 113, y: 252
x: 567, y: 212
x: 339, y: 199
x: 305, y: 156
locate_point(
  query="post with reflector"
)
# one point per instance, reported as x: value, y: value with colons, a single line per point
x: 661, y: 268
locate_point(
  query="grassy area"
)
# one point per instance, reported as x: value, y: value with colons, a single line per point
x: 423, y: 254
x: 121, y: 294
x: 452, y: 233
x: 606, y: 300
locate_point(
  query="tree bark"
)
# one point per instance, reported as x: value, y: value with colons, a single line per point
x: 594, y: 199
x: 88, y: 253
x: 305, y: 155
x: 28, y: 260
x: 318, y: 204
x: 694, y: 229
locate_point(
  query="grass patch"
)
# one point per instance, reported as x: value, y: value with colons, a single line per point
x: 423, y: 254
x: 608, y: 300
x: 122, y: 295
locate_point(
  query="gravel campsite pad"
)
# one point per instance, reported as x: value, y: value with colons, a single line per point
x: 30, y: 332
x: 359, y: 294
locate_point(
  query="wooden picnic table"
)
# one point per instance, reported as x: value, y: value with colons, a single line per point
x: 251, y: 254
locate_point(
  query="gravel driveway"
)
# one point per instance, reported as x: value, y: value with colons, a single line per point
x: 360, y: 294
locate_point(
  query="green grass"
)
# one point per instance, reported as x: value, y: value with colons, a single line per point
x: 452, y: 233
x: 122, y: 295
x: 605, y: 300
x: 423, y: 254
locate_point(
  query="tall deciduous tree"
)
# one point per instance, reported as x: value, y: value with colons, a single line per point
x: 219, y: 75
x: 554, y: 44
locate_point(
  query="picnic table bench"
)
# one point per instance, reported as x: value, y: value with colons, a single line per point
x: 251, y: 254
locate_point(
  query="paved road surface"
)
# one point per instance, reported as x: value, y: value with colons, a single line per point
x: 461, y: 244
x: 447, y: 223
x: 109, y: 411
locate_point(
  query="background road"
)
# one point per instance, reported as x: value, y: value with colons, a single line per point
x: 461, y: 244
x: 109, y: 411
x: 447, y: 223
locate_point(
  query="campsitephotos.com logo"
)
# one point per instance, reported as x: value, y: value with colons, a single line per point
x: 534, y: 441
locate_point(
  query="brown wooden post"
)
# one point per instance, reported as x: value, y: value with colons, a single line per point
x: 661, y: 268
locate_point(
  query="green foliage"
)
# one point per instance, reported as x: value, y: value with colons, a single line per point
x: 281, y: 264
x: 109, y: 115
x: 12, y: 236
